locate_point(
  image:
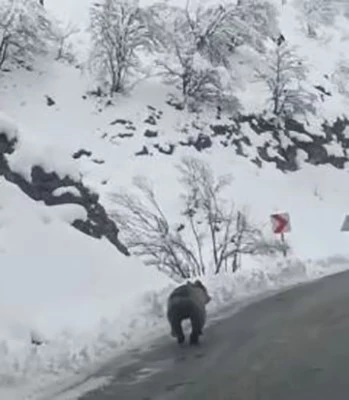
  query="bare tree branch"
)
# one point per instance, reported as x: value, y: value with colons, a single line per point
x: 217, y: 233
x: 284, y: 74
x: 119, y: 31
x: 25, y: 31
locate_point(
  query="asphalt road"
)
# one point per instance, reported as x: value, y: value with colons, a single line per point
x: 294, y: 345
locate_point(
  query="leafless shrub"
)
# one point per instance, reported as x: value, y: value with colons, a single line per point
x: 62, y: 37
x: 212, y: 234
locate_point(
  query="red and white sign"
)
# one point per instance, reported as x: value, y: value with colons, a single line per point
x: 281, y: 223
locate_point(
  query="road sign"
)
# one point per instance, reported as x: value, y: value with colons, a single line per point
x: 281, y: 223
x: 345, y: 226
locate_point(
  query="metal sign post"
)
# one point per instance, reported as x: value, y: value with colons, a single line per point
x: 281, y: 225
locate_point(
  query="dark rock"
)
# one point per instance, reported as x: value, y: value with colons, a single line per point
x: 177, y: 104
x: 180, y: 227
x: 125, y: 135
x: 7, y: 146
x: 163, y: 150
x: 49, y: 101
x: 219, y: 113
x: 220, y: 130
x: 143, y: 152
x: 97, y: 92
x: 293, y: 125
x: 280, y: 40
x: 81, y: 153
x: 336, y: 131
x: 317, y: 154
x: 202, y: 142
x: 257, y: 161
x: 150, y: 134
x: 322, y: 90
x: 150, y: 120
x: 35, y: 340
x: 41, y: 188
x: 99, y: 162
x: 120, y: 121
x: 286, y: 161
x: 246, y: 140
x: 238, y: 147
x: 338, y: 162
x: 187, y: 143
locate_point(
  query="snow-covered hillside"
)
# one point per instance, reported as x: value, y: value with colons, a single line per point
x: 79, y: 294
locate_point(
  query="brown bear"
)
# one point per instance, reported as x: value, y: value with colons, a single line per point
x: 188, y: 301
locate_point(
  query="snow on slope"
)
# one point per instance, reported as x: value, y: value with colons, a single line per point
x: 75, y: 290
x: 64, y: 286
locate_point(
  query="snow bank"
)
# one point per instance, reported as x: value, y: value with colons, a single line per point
x: 8, y: 127
x: 62, y: 286
x: 86, y: 301
x: 78, y: 294
x: 66, y: 190
x: 51, y: 158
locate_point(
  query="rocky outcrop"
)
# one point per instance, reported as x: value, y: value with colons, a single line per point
x: 43, y: 187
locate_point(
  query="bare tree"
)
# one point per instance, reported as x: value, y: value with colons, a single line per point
x: 147, y: 232
x: 284, y: 74
x: 179, y: 60
x: 62, y: 35
x: 255, y: 20
x: 25, y: 31
x: 315, y: 13
x: 340, y: 76
x: 198, y: 81
x: 212, y: 235
x: 119, y: 31
x: 196, y: 42
x: 226, y: 231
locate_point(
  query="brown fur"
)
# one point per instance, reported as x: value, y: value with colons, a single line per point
x: 188, y: 302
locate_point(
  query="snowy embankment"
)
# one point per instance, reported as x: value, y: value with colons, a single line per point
x: 79, y: 295
x: 84, y: 299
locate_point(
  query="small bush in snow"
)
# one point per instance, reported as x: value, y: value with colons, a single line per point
x: 210, y: 237
x: 119, y: 31
x: 62, y: 36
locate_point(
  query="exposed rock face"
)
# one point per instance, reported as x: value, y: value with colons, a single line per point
x: 262, y: 140
x: 282, y: 144
x: 42, y: 186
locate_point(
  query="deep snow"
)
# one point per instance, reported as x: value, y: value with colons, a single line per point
x: 79, y: 294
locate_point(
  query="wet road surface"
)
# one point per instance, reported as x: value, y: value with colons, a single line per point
x: 293, y: 345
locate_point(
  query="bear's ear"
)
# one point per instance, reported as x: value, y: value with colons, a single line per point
x: 200, y: 285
